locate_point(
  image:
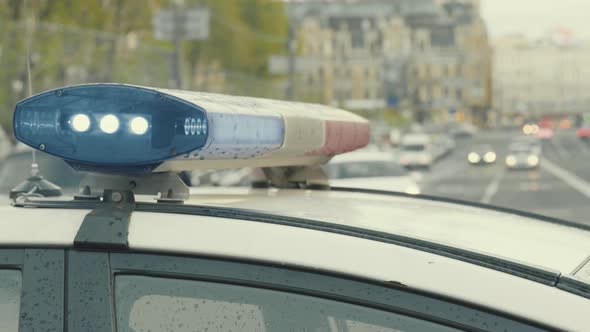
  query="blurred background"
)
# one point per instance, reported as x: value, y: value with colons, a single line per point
x: 446, y: 84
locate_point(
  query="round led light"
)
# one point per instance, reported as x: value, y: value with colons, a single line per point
x: 139, y: 125
x: 193, y: 126
x: 109, y: 124
x: 187, y: 126
x: 80, y: 122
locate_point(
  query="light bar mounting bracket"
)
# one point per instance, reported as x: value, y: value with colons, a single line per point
x: 168, y: 186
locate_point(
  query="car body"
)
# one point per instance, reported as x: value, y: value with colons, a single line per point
x: 530, y: 129
x: 583, y: 133
x: 482, y: 154
x: 534, y: 143
x: 462, y: 130
x: 443, y: 146
x: 245, y: 257
x: 545, y: 133
x: 370, y: 170
x: 522, y: 157
x: 416, y: 151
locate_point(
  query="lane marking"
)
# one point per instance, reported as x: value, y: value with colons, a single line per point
x: 493, y: 187
x: 572, y: 180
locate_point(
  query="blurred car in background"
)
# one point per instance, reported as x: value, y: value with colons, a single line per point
x: 462, y: 130
x: 416, y: 151
x: 482, y: 154
x: 530, y: 129
x: 545, y: 133
x: 583, y: 133
x: 565, y: 124
x: 221, y: 178
x: 527, y: 141
x: 521, y: 156
x: 370, y: 170
x: 442, y: 146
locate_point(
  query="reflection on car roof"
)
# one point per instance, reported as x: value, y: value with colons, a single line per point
x: 457, y: 225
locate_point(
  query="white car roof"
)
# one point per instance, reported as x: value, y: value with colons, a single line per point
x: 545, y: 244
x: 551, y: 246
x: 415, y: 139
x: 294, y: 246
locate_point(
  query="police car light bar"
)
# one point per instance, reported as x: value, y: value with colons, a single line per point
x: 117, y: 128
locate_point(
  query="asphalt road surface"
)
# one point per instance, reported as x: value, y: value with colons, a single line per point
x: 560, y: 187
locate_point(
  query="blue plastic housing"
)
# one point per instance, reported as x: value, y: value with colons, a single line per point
x: 44, y: 122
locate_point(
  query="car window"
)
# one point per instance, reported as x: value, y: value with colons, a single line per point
x: 414, y: 147
x: 152, y: 303
x: 10, y: 294
x: 367, y: 169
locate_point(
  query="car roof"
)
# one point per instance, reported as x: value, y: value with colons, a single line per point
x: 482, y: 147
x: 524, y: 239
x: 308, y: 247
x: 363, y: 156
x: 548, y: 244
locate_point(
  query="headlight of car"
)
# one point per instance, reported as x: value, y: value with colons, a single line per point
x: 489, y: 157
x: 510, y: 161
x: 533, y: 160
x: 473, y: 157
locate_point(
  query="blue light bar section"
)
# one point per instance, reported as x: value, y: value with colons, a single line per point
x: 109, y: 143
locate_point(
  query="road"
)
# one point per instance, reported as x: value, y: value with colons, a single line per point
x: 560, y: 187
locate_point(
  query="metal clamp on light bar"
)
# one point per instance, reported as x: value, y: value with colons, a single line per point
x: 134, y: 131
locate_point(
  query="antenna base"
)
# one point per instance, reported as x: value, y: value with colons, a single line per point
x: 36, y: 185
x: 168, y: 186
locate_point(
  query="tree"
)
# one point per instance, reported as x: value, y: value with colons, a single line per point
x: 243, y: 34
x: 72, y: 35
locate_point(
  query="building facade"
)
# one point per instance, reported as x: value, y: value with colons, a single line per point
x: 450, y: 75
x: 544, y: 77
x: 430, y: 57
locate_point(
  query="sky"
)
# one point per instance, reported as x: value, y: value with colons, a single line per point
x: 536, y: 18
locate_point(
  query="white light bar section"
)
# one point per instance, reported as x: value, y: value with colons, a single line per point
x: 256, y: 132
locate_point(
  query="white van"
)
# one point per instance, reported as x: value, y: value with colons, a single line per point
x: 416, y: 151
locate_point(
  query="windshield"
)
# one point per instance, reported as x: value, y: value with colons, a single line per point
x: 414, y: 147
x: 366, y: 169
x: 436, y: 79
x: 482, y: 148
